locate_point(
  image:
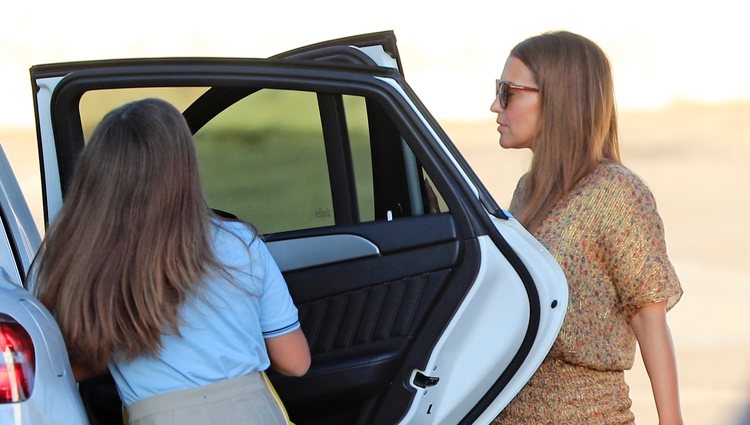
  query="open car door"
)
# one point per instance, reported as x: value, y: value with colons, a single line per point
x: 422, y: 301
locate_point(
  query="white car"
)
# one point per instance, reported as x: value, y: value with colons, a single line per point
x: 36, y: 384
x: 423, y: 301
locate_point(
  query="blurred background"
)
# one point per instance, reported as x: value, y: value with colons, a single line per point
x: 680, y: 77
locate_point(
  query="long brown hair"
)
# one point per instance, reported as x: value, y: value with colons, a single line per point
x: 578, y: 128
x: 132, y: 240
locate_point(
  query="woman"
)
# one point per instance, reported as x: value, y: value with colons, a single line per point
x: 184, y: 308
x: 600, y: 221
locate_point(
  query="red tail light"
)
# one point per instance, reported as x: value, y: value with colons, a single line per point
x: 16, y: 361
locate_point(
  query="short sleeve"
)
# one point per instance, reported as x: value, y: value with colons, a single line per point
x: 635, y: 247
x: 278, y: 314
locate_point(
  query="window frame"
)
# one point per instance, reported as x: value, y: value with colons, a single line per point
x: 229, y: 81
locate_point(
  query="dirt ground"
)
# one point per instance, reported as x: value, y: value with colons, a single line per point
x: 696, y: 159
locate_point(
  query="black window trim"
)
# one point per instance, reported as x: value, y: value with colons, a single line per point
x: 339, y: 159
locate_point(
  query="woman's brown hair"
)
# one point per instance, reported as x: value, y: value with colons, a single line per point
x: 132, y: 240
x: 578, y: 128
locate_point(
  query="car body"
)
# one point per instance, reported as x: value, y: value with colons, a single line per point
x: 423, y: 301
x: 36, y: 384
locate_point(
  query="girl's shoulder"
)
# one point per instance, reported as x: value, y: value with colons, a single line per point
x: 233, y: 229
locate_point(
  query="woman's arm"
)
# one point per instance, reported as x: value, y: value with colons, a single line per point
x: 654, y: 338
x: 289, y: 353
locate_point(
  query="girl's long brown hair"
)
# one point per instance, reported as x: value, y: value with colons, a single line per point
x: 132, y: 240
x: 578, y: 129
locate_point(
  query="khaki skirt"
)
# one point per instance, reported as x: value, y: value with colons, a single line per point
x: 247, y: 400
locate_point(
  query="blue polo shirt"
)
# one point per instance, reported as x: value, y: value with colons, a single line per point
x: 223, y: 327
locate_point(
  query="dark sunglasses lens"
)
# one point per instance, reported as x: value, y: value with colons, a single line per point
x: 502, y: 94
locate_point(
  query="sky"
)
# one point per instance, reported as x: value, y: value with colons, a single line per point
x: 661, y: 51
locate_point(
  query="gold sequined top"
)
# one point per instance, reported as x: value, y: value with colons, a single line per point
x: 609, y: 239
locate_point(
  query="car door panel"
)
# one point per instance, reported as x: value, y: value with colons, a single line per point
x: 366, y: 239
x: 309, y: 284
x: 359, y: 314
x: 302, y: 253
x: 357, y: 337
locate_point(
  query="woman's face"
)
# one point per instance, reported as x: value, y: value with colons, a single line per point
x: 518, y: 122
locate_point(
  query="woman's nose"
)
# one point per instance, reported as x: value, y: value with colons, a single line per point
x: 495, y: 107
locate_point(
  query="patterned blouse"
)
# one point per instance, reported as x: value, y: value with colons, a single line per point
x: 609, y: 240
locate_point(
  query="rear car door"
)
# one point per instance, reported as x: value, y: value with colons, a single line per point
x: 422, y: 301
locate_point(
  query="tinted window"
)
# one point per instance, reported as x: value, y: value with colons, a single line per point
x: 267, y: 159
x: 263, y: 159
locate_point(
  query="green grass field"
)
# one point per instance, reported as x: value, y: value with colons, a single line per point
x: 263, y: 158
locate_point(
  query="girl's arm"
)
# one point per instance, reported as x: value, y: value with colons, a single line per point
x: 289, y: 353
x: 651, y: 330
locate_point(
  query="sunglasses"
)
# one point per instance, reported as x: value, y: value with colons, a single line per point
x: 502, y: 91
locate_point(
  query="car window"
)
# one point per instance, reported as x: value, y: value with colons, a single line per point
x: 425, y: 198
x: 274, y: 158
x: 7, y: 264
x: 263, y: 159
x: 356, y: 119
x: 94, y: 104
